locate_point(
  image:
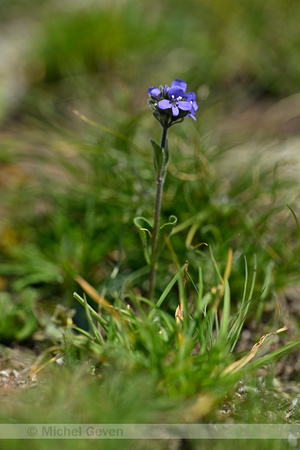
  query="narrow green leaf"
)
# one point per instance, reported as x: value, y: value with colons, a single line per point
x: 145, y: 228
x: 224, y: 327
x: 296, y: 220
x: 85, y: 333
x: 165, y: 231
x: 166, y: 291
x: 96, y: 332
x: 102, y: 321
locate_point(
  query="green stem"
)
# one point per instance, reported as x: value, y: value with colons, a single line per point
x: 159, y: 189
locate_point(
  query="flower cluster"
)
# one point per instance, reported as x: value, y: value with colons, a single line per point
x: 172, y: 104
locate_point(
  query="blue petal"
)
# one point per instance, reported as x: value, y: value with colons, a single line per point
x: 175, y: 92
x: 164, y: 104
x: 194, y: 106
x: 190, y: 96
x: 175, y: 110
x: 153, y: 91
x: 185, y: 106
x: 191, y: 115
x: 180, y: 83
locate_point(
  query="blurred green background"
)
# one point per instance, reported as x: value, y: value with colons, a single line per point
x: 76, y: 164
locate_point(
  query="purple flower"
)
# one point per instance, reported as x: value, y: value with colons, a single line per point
x: 171, y: 104
x: 153, y: 91
x: 176, y: 101
x: 191, y: 97
x: 178, y: 82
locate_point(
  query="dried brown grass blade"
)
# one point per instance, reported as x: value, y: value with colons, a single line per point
x: 237, y: 365
x: 179, y: 319
x: 98, y: 298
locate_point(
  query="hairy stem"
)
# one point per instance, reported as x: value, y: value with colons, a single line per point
x: 159, y: 189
